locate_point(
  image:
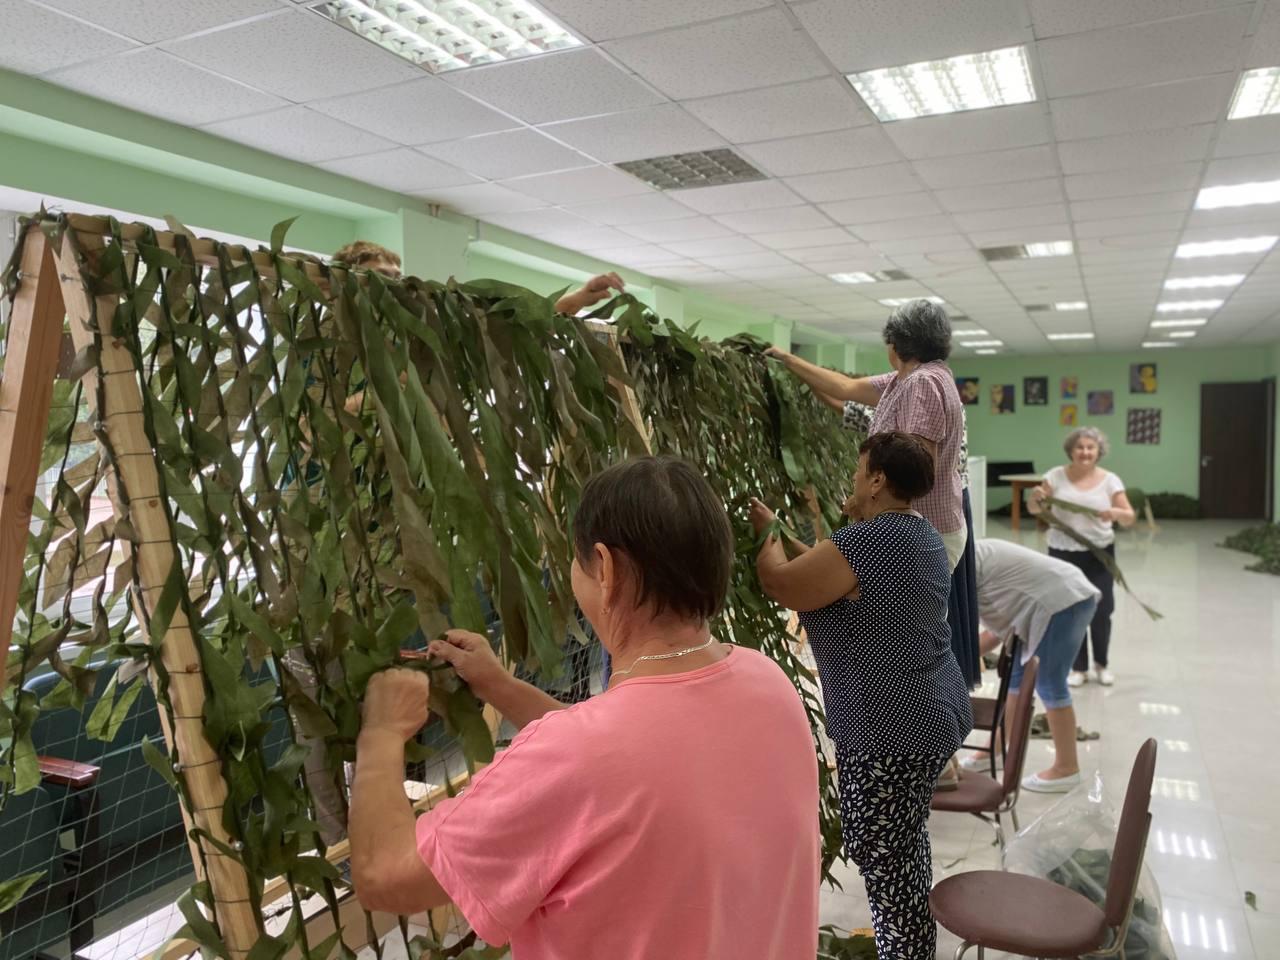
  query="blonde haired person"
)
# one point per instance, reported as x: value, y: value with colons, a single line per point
x: 1085, y: 484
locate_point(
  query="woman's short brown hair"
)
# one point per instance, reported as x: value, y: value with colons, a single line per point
x: 661, y: 513
x: 364, y: 252
x: 906, y: 463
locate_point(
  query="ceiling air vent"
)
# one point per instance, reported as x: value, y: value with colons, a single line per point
x: 681, y: 171
x: 1036, y: 307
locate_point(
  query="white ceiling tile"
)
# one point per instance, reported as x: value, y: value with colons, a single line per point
x: 904, y: 228
x: 35, y: 40
x: 1145, y: 53
x: 402, y: 169
x: 793, y: 240
x: 297, y: 55
x: 1200, y: 100
x: 739, y: 53
x: 1123, y: 150
x: 580, y: 186
x: 978, y: 220
x: 1025, y: 163
x: 559, y: 86
x: 1140, y: 205
x: 742, y: 261
x: 637, y: 134
x: 1011, y: 235
x: 782, y: 218
x: 829, y: 251
x: 731, y: 198
x: 1244, y: 137
x: 609, y: 19
x: 500, y: 156
x: 935, y: 244
x: 1120, y: 183
x: 875, y: 209
x: 718, y: 247
x: 1231, y: 170
x: 1234, y: 219
x: 878, y: 181
x: 971, y: 131
x: 820, y: 152
x: 1120, y: 226
x: 538, y: 222
x: 592, y: 238
x: 688, y: 228
x: 814, y: 106
x: 1019, y: 193
x: 481, y: 198
x: 1148, y: 243
x: 646, y: 208
x: 300, y: 134
x: 1052, y: 18
x: 1265, y: 51
x: 424, y: 110
x: 639, y: 255
x: 150, y: 81
x: 153, y: 20
x: 885, y: 33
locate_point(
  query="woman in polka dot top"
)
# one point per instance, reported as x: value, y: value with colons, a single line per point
x: 873, y: 602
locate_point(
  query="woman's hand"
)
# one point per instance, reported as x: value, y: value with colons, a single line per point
x: 760, y: 516
x: 473, y: 657
x: 396, y: 702
x: 593, y: 291
x: 777, y: 353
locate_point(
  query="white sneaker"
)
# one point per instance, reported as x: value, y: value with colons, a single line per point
x: 1037, y: 784
x: 1105, y: 676
x: 975, y: 762
x: 1077, y: 678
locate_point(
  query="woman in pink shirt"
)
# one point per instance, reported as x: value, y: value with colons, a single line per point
x: 673, y: 816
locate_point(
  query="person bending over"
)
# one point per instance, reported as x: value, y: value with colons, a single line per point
x: 673, y: 816
x: 873, y: 602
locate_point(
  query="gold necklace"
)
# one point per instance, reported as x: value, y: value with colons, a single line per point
x: 662, y: 656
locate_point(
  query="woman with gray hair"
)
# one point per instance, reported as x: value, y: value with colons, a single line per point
x: 1085, y: 484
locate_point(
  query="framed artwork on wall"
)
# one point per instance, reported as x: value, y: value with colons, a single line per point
x: 1102, y: 403
x: 1002, y: 398
x: 1070, y: 387
x: 1035, y: 391
x: 1069, y: 416
x: 1143, y: 426
x: 1142, y: 378
x: 970, y: 390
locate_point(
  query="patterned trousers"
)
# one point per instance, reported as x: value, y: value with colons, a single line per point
x: 884, y: 805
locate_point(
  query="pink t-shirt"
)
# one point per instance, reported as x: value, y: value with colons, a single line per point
x: 672, y: 817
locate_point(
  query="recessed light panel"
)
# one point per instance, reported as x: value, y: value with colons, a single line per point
x: 1239, y: 195
x: 903, y: 301
x: 681, y: 171
x: 968, y: 333
x: 1156, y: 344
x: 1183, y: 306
x: 1021, y: 251
x: 1198, y: 283
x: 974, y: 81
x: 443, y: 35
x: 1069, y: 305
x: 1226, y: 248
x: 1181, y: 322
x: 983, y: 343
x: 986, y: 353
x: 1257, y: 94
x: 878, y: 276
x: 1182, y: 334
x: 1070, y: 336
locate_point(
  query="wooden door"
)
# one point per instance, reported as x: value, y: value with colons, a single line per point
x: 1235, y: 450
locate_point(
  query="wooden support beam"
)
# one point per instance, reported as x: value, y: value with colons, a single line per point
x: 26, y: 392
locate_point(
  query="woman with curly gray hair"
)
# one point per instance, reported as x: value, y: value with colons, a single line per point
x: 1085, y: 484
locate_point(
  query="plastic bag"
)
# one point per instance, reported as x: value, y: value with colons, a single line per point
x: 1071, y: 845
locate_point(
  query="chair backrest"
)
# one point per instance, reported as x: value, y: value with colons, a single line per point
x: 1131, y: 837
x: 1004, y: 670
x: 1018, y: 727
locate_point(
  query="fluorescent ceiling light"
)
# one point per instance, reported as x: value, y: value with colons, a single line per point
x: 1070, y: 336
x: 858, y: 276
x: 1055, y: 248
x: 1182, y: 334
x: 969, y: 333
x: 1226, y: 248
x: 973, y: 81
x: 1196, y: 283
x: 983, y: 343
x: 680, y: 171
x: 903, y: 301
x: 1156, y: 344
x: 442, y: 35
x: 1257, y: 94
x: 1239, y: 195
x: 1176, y: 306
x: 986, y: 353
x: 1183, y: 322
x: 1071, y: 305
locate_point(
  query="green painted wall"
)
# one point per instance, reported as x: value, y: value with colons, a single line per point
x: 1033, y: 433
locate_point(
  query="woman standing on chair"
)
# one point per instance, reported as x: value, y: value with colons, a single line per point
x: 873, y: 602
x: 1083, y: 483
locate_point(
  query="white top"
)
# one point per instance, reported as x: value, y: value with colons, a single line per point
x: 1019, y: 591
x: 1096, y: 531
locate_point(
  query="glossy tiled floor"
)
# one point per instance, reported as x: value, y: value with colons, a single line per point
x: 1205, y: 682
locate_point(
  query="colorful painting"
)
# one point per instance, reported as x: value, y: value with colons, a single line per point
x: 1035, y: 391
x: 1003, y: 398
x: 1102, y: 403
x: 1142, y: 378
x: 970, y: 390
x: 1069, y: 416
x: 1070, y: 387
x: 1143, y: 426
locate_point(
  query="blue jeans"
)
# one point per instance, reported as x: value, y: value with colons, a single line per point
x: 1057, y: 651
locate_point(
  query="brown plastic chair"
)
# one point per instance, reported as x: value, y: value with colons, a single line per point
x: 1032, y: 917
x: 986, y: 797
x: 988, y: 712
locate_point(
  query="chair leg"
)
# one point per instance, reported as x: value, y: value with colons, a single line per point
x: 1013, y: 815
x: 963, y: 949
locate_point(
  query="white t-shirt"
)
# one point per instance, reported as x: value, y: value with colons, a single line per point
x: 1096, y: 531
x: 1019, y: 591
